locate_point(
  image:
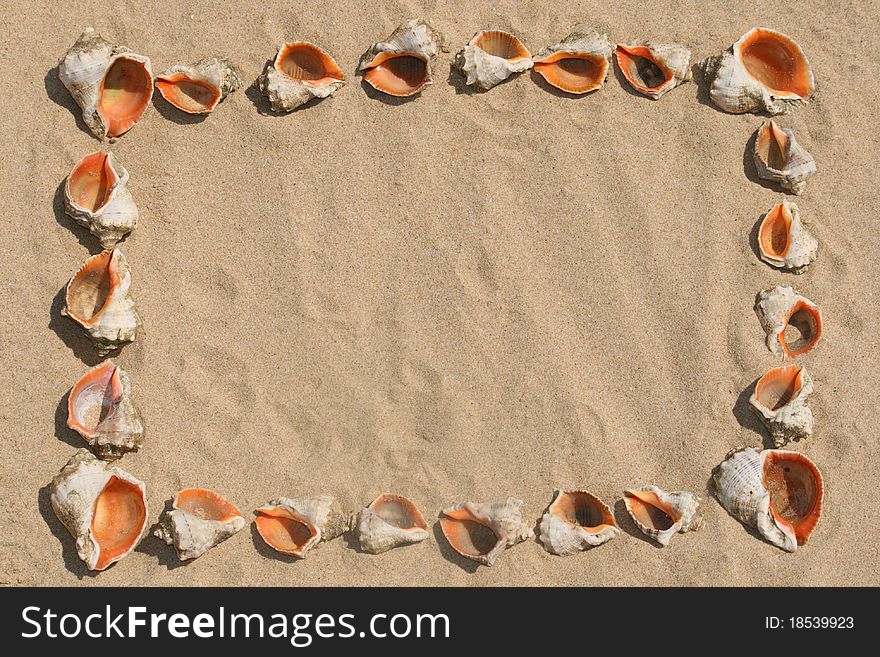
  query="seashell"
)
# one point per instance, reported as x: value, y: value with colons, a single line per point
x: 111, y: 84
x: 780, y: 159
x: 483, y: 530
x: 780, y: 400
x: 301, y: 71
x: 403, y: 65
x: 780, y: 308
x: 199, y: 88
x: 765, y: 71
x: 97, y: 299
x: 652, y: 68
x: 391, y: 520
x: 783, y: 242
x: 491, y: 57
x: 96, y: 196
x: 578, y: 64
x: 295, y: 526
x: 661, y: 515
x: 99, y: 408
x: 103, y: 507
x: 199, y: 520
x: 776, y: 491
x: 575, y: 521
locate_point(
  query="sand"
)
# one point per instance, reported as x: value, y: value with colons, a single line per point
x: 453, y: 298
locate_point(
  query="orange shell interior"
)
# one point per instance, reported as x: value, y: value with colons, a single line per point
x: 91, y: 181
x: 647, y: 508
x: 398, y: 74
x: 774, y: 236
x: 584, y: 510
x: 308, y: 63
x: 779, y: 386
x: 466, y: 534
x: 119, y: 516
x: 398, y: 511
x: 283, y: 531
x: 501, y: 44
x: 772, y: 145
x: 775, y: 61
x: 641, y: 69
x: 205, y: 504
x: 90, y: 288
x: 124, y: 94
x: 574, y: 73
x: 807, y: 320
x: 188, y: 94
x: 93, y: 399
x: 796, y: 489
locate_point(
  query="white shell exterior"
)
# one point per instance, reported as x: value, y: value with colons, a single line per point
x: 792, y: 421
x: 74, y: 492
x: 484, y: 70
x: 376, y: 535
x: 286, y: 94
x: 799, y: 164
x: 504, y: 516
x: 773, y: 308
x: 219, y: 73
x: 321, y: 511
x: 191, y: 535
x: 802, y: 247
x: 733, y: 90
x: 582, y: 40
x: 413, y: 36
x: 82, y: 69
x: 676, y: 58
x: 683, y: 503
x: 114, y: 220
x: 563, y: 538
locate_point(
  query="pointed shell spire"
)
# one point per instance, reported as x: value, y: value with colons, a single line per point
x: 781, y: 307
x: 483, y: 530
x: 300, y: 72
x: 491, y: 57
x: 661, y: 515
x: 199, y: 520
x: 390, y: 521
x: 403, y: 64
x: 199, y: 88
x: 576, y: 520
x: 296, y: 526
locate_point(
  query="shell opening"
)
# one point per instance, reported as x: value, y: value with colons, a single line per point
x: 187, y: 94
x: 501, y: 44
x: 774, y: 236
x: 90, y: 288
x: 398, y: 511
x: 574, y: 72
x: 91, y: 181
x: 795, y: 487
x: 648, y: 510
x: 467, y: 536
x: 398, y: 74
x: 118, y: 520
x: 582, y: 509
x: 308, y: 63
x: 205, y: 504
x: 802, y: 330
x: 779, y: 386
x: 775, y: 61
x: 283, y: 531
x: 640, y: 69
x: 124, y: 94
x: 772, y: 146
x: 94, y: 399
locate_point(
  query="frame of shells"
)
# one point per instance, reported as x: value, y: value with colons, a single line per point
x: 776, y: 491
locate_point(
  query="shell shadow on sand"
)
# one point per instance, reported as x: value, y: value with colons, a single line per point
x: 68, y: 552
x: 451, y: 555
x: 71, y: 334
x: 62, y: 431
x: 156, y: 547
x: 742, y: 411
x: 749, y: 168
x: 59, y: 95
x: 168, y: 111
x: 82, y: 234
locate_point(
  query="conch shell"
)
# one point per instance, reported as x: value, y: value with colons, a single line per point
x: 778, y: 492
x: 575, y: 521
x: 301, y: 71
x: 97, y: 299
x: 403, y: 65
x: 111, y: 84
x: 780, y: 400
x: 765, y: 71
x: 99, y: 409
x: 578, y: 64
x: 199, y: 88
x: 661, y: 515
x: 483, y: 530
x: 96, y: 196
x: 653, y: 68
x: 781, y: 307
x: 491, y: 57
x: 783, y: 242
x: 103, y: 507
x: 295, y: 526
x: 199, y: 520
x: 391, y: 520
x: 780, y: 159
